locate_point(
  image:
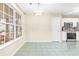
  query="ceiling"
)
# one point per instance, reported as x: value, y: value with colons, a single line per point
x: 60, y: 8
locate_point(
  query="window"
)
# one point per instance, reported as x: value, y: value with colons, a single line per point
x: 8, y: 24
x: 18, y: 25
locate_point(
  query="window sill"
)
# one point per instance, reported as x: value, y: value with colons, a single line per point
x: 9, y: 43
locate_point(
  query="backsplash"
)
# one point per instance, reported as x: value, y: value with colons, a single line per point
x: 70, y: 27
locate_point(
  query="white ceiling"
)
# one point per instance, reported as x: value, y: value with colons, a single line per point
x: 62, y: 8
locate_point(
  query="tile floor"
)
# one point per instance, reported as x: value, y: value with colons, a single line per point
x: 49, y: 49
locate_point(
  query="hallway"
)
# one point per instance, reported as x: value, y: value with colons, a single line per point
x: 49, y: 49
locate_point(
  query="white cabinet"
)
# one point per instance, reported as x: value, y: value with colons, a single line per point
x: 77, y: 36
x: 64, y: 36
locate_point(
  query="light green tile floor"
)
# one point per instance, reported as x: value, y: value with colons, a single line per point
x: 49, y: 49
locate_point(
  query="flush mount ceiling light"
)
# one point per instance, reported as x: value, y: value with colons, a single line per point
x: 38, y: 12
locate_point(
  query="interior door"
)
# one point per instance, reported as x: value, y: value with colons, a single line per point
x: 56, y: 28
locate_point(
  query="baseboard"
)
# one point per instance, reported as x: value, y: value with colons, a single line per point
x: 39, y: 40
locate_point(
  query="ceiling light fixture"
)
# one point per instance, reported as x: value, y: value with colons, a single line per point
x: 38, y: 12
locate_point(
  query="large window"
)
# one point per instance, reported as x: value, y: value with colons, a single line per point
x: 18, y: 25
x: 10, y: 24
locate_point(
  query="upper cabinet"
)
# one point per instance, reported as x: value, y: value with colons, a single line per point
x: 70, y: 24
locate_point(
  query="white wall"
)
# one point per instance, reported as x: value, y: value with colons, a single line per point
x: 44, y: 28
x: 37, y: 28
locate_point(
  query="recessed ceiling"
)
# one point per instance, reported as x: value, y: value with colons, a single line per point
x: 60, y: 8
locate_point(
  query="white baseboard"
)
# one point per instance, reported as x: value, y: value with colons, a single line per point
x: 39, y: 40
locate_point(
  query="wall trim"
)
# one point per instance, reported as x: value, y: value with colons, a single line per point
x: 30, y: 40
